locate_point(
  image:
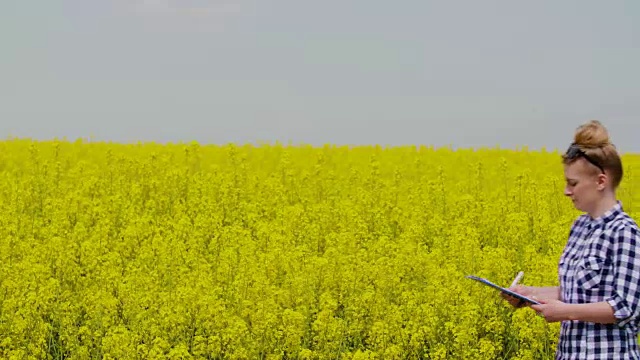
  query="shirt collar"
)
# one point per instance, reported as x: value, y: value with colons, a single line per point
x: 608, y: 215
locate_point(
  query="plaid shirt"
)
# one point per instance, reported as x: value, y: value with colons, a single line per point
x: 601, y: 262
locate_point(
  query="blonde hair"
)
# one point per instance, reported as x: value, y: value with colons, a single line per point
x: 592, y: 138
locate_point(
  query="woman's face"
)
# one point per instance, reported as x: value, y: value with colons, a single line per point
x: 584, y: 184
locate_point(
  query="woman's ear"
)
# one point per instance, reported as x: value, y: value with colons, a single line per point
x: 602, y: 181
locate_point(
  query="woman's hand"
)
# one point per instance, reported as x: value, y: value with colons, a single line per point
x: 552, y: 310
x: 527, y: 291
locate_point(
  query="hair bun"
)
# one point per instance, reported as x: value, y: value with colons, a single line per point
x: 592, y: 135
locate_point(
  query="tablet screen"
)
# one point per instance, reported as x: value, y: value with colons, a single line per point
x: 507, y: 291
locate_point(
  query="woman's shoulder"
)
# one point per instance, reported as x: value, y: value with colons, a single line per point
x: 625, y: 227
x: 624, y: 220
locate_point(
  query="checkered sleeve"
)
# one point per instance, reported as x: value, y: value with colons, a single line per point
x: 625, y: 300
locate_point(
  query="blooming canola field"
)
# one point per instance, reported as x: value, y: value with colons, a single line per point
x: 190, y: 251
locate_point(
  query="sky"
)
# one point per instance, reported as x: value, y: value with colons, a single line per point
x: 443, y: 73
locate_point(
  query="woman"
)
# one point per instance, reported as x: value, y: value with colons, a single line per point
x: 598, y: 300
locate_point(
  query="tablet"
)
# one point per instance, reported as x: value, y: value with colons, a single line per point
x: 506, y: 291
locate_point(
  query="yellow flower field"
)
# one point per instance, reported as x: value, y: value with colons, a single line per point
x: 186, y: 251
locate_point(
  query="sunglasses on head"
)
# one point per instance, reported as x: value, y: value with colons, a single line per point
x: 574, y: 151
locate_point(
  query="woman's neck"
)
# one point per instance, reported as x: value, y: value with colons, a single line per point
x: 604, y: 205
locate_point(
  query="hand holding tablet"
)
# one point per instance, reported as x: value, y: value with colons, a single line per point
x: 523, y: 299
